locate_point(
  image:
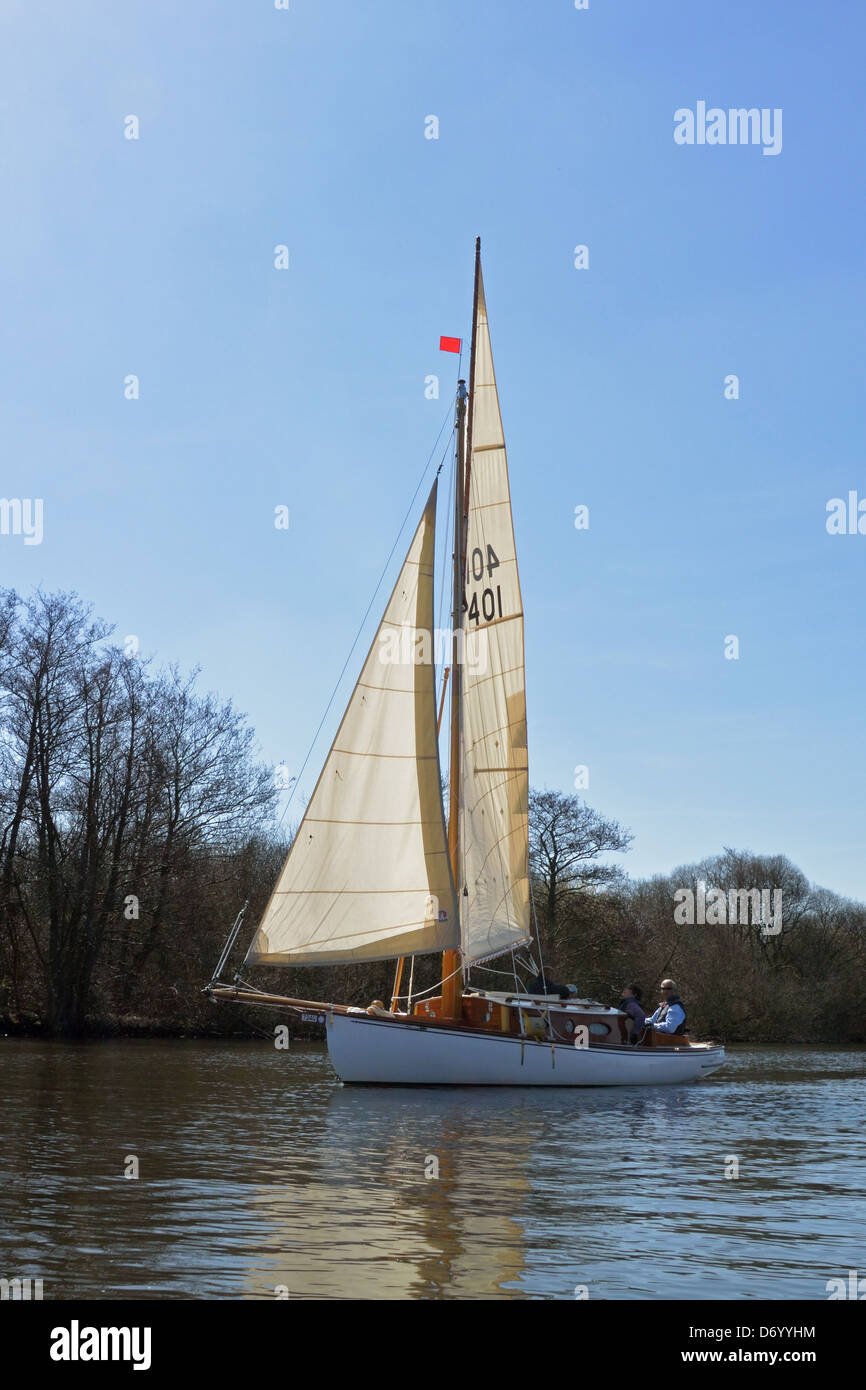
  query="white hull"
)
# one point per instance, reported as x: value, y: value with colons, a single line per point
x: 371, y: 1050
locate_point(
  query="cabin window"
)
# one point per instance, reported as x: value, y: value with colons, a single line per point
x: 569, y: 1026
x: 599, y: 1029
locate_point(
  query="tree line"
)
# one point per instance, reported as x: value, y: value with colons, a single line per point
x: 135, y: 817
x: 741, y: 982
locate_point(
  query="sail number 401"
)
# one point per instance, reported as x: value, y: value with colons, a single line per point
x: 490, y: 606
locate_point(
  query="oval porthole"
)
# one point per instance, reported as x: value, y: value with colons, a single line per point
x: 599, y: 1029
x: 569, y: 1026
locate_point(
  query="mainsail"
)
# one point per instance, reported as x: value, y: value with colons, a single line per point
x: 367, y: 876
x: 493, y: 853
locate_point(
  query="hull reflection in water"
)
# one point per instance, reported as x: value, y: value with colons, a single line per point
x: 409, y: 1213
x: 259, y: 1170
x: 371, y: 1050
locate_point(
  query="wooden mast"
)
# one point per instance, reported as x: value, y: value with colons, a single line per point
x: 452, y: 975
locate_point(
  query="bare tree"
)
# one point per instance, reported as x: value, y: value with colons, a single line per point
x: 114, y: 785
x: 205, y: 795
x: 567, y: 844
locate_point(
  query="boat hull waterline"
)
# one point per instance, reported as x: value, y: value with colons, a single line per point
x: 372, y: 1051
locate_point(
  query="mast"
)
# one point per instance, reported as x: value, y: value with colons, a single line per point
x: 452, y: 976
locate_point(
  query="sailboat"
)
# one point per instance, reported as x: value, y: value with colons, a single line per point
x: 376, y: 871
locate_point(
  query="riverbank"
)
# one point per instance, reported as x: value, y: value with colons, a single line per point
x: 256, y: 1024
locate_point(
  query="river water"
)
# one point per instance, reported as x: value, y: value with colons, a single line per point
x: 260, y: 1176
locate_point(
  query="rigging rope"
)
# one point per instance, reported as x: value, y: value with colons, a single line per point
x: 411, y: 983
x: 297, y: 780
x: 438, y: 985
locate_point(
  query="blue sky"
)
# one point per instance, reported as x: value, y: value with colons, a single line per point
x: 305, y: 387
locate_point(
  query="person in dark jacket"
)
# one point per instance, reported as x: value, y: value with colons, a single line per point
x: 542, y: 985
x: 630, y: 1004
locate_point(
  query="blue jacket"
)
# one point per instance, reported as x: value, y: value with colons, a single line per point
x: 669, y: 1018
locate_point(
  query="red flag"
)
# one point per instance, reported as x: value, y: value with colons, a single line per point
x: 449, y: 344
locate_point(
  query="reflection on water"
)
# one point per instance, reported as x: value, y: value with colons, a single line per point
x: 258, y: 1170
